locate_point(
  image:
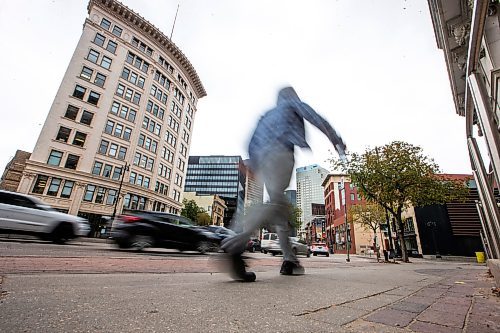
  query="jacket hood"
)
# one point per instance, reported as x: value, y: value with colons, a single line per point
x: 287, y: 95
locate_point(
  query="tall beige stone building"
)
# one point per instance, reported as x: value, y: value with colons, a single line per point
x: 124, y: 112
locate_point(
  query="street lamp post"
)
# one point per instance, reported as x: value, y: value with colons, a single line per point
x: 348, y: 259
x: 122, y: 174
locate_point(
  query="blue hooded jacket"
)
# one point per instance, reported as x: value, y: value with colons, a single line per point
x: 283, y: 126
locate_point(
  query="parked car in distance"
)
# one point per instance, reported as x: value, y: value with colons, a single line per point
x: 266, y: 241
x: 24, y: 214
x: 319, y: 248
x: 140, y: 229
x: 297, y: 247
x: 253, y: 245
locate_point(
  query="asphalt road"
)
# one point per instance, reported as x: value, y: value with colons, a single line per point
x: 92, y: 287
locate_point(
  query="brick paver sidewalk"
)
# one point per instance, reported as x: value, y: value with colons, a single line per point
x: 458, y: 303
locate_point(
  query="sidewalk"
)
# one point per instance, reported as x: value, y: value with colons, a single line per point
x: 361, y: 296
x: 458, y: 303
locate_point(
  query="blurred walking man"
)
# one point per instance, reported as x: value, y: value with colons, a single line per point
x: 271, y: 152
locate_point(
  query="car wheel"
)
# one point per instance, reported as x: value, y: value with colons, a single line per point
x: 204, y: 246
x: 315, y: 254
x: 328, y: 254
x: 273, y: 253
x: 264, y: 251
x: 62, y: 233
x: 140, y: 242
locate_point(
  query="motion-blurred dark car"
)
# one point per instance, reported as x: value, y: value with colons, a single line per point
x: 253, y: 245
x: 220, y: 232
x: 140, y: 229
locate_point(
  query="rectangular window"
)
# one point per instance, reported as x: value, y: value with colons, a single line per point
x: 137, y: 98
x: 109, y: 127
x: 140, y: 82
x: 99, y: 39
x: 107, y: 171
x: 93, y: 98
x: 110, y: 200
x: 118, y: 130
x: 55, y: 183
x: 79, y: 92
x: 100, y: 79
x: 72, y: 161
x: 40, y: 183
x: 55, y: 158
x: 139, y: 179
x: 67, y: 189
x: 71, y: 112
x: 86, y: 73
x: 93, y: 56
x: 86, y: 117
x: 137, y: 158
x: 125, y: 73
x: 115, y: 107
x: 96, y: 170
x: 141, y: 140
x: 103, y: 148
x: 117, y: 172
x: 127, y: 133
x: 131, y: 116
x: 63, y: 134
x: 122, y: 153
x: 117, y: 31
x: 111, y: 46
x: 99, y: 197
x: 132, y: 178
x: 106, y: 24
x: 133, y: 77
x: 89, y: 193
x: 113, y: 149
x: 106, y: 62
x: 120, y: 90
x: 128, y: 94
x: 79, y: 139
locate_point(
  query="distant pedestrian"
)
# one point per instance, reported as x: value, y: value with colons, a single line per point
x: 271, y: 152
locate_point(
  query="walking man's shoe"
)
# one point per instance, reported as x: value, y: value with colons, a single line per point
x: 292, y: 268
x: 238, y: 270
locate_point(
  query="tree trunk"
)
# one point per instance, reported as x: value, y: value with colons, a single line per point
x: 404, y: 253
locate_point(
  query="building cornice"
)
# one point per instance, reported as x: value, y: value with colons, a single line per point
x: 136, y: 21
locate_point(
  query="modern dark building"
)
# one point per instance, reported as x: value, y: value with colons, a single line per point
x: 451, y: 229
x: 221, y: 175
x: 291, y: 196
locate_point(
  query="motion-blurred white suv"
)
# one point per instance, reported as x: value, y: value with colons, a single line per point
x: 24, y: 214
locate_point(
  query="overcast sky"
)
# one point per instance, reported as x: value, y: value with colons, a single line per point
x: 372, y: 68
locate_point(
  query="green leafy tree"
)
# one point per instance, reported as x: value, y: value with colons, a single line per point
x: 398, y: 175
x: 202, y: 218
x: 295, y: 213
x: 369, y: 217
x: 190, y: 209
